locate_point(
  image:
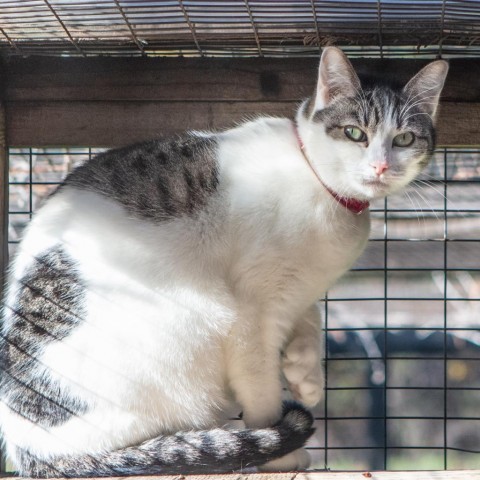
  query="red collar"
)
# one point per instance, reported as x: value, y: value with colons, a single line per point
x: 354, y: 205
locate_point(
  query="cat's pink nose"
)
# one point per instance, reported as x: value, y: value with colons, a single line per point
x: 379, y: 167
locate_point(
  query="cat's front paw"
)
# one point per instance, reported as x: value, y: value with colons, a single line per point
x: 303, y: 370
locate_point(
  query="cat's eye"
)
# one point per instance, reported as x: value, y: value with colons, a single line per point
x: 404, y: 139
x: 355, y: 134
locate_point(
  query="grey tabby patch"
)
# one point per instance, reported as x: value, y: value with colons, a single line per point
x: 154, y: 180
x: 46, y: 309
x: 213, y: 451
x: 370, y: 108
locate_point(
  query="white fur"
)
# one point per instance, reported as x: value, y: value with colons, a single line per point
x: 182, y: 314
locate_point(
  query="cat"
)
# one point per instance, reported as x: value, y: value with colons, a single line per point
x: 167, y: 282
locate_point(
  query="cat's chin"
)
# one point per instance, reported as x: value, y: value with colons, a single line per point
x: 372, y: 189
x: 375, y: 189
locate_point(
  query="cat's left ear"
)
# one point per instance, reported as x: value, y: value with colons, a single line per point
x: 336, y: 77
x: 424, y: 89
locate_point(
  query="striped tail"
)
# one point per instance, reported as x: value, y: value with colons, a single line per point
x: 197, y: 452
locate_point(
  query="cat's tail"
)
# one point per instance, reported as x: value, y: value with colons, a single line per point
x: 210, y: 451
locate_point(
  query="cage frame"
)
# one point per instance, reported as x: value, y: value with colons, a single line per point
x: 68, y: 101
x: 50, y: 92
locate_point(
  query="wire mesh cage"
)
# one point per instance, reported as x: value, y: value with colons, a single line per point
x: 402, y: 330
x: 403, y: 343
x: 239, y: 27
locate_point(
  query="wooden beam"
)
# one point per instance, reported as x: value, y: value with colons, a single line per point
x: 205, y: 79
x: 119, y: 123
x: 112, y: 101
x: 316, y: 475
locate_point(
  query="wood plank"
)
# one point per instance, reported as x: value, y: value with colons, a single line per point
x: 159, y: 79
x: 113, y: 101
x: 119, y: 123
x: 458, y: 124
x: 403, y: 475
x: 409, y: 475
x: 251, y: 79
x: 102, y: 123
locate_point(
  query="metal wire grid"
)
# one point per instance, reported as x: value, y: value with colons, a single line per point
x: 33, y: 175
x: 239, y: 27
x: 440, y: 334
x: 403, y: 338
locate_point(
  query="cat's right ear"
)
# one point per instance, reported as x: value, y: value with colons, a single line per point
x: 424, y: 89
x: 336, y: 77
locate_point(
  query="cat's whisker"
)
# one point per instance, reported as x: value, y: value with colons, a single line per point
x: 416, y: 206
x: 420, y: 183
x: 427, y: 203
x: 441, y: 193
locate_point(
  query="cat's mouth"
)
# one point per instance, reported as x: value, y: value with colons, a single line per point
x: 375, y: 183
x: 376, y: 187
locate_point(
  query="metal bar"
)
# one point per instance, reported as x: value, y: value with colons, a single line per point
x: 445, y: 306
x: 3, y: 219
x: 255, y: 33
x: 399, y: 447
x: 385, y: 324
x: 317, y: 30
x: 325, y: 404
x: 30, y: 185
x: 405, y: 387
x: 335, y: 358
x: 11, y: 42
x: 3, y: 195
x: 442, y: 28
x: 130, y: 27
x: 379, y: 23
x: 74, y: 43
x: 378, y: 417
x: 191, y: 26
x: 404, y: 299
x: 418, y: 269
x: 399, y: 329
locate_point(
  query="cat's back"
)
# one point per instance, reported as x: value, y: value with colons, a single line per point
x: 126, y: 199
x: 155, y: 180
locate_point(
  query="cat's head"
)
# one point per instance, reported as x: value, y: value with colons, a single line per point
x: 369, y: 142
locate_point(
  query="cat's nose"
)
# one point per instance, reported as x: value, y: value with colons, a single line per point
x: 380, y: 167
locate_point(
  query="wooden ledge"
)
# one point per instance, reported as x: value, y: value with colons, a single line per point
x: 397, y: 475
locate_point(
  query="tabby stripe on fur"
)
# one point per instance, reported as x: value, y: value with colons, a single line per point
x: 46, y: 310
x: 211, y: 451
x: 157, y: 180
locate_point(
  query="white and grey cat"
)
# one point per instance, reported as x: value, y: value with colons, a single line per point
x: 164, y: 282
